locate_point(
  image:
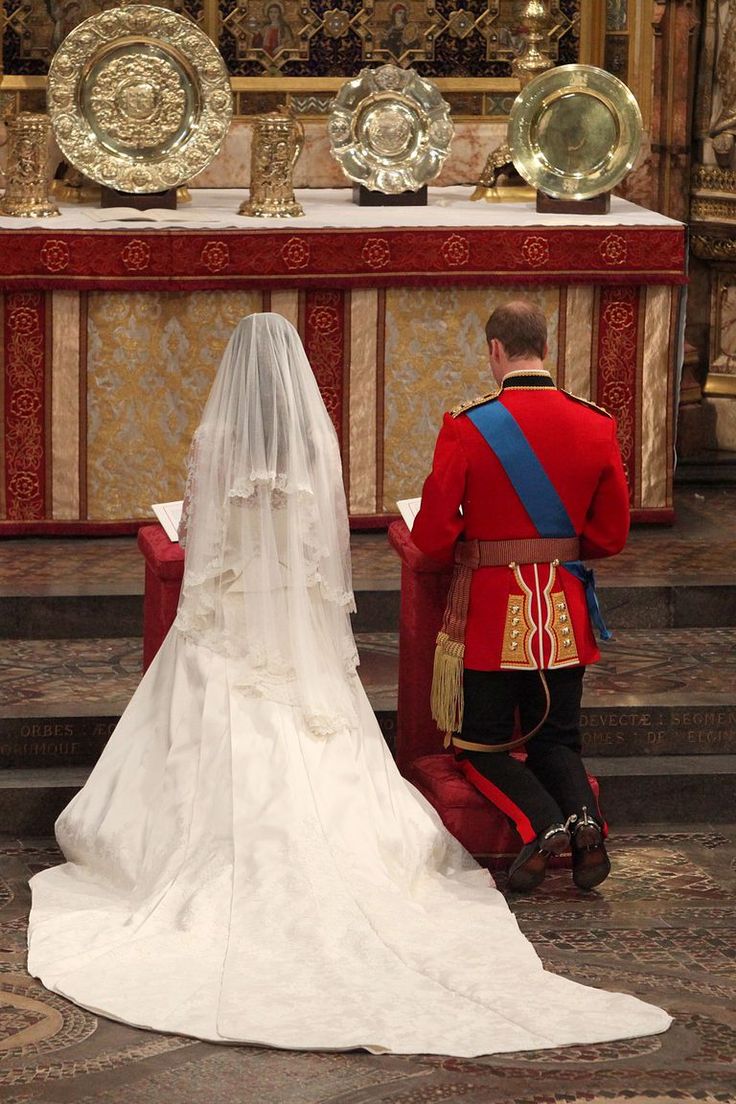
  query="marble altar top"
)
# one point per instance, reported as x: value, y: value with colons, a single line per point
x: 332, y: 208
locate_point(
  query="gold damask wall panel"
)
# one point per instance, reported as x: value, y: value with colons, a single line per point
x: 435, y: 357
x: 151, y: 358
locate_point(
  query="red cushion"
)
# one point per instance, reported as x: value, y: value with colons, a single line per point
x: 481, y: 828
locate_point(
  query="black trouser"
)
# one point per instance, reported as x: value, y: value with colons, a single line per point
x: 552, y: 784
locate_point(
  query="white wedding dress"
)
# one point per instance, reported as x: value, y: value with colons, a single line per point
x: 245, y: 862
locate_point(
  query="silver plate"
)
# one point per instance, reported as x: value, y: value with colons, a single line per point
x: 574, y: 131
x: 390, y: 129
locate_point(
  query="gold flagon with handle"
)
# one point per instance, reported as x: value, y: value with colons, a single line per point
x: 278, y: 138
x: 532, y: 61
x: 27, y: 172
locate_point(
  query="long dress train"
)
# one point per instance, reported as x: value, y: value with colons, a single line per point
x: 309, y: 899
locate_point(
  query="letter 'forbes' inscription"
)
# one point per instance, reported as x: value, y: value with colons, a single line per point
x: 53, y: 741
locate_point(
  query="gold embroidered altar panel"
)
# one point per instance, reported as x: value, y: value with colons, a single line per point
x: 444, y: 329
x: 151, y: 359
x: 396, y: 359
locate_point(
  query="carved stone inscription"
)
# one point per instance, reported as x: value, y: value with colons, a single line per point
x: 39, y: 742
x: 672, y: 730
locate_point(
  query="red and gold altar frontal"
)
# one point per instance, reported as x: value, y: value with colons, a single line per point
x: 111, y: 339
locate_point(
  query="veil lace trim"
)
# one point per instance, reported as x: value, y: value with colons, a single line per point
x: 267, y: 579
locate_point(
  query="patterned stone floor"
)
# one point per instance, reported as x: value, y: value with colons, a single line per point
x: 671, y: 667
x: 663, y: 927
x: 701, y: 546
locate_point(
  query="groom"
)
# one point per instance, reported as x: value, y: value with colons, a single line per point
x: 525, y: 483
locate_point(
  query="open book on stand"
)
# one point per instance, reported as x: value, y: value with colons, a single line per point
x: 409, y: 508
x: 169, y: 514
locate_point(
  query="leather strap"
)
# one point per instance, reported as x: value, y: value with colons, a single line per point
x: 510, y: 745
x: 478, y: 553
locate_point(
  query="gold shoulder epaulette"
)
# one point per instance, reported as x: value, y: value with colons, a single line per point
x: 585, y: 402
x: 470, y: 403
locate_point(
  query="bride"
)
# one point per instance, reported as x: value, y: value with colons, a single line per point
x: 245, y: 862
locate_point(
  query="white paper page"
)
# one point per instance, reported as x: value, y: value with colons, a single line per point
x: 409, y: 508
x: 169, y: 514
x: 153, y: 214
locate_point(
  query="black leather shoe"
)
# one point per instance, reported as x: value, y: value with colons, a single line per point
x: 590, y: 862
x: 528, y: 869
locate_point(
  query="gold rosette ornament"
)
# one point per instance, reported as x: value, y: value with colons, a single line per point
x: 139, y: 99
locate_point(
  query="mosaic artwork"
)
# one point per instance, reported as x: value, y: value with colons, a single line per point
x: 33, y: 29
x: 438, y: 37
x: 318, y: 38
x: 654, y: 944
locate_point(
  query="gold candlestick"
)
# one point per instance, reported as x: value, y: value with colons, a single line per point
x: 531, y: 61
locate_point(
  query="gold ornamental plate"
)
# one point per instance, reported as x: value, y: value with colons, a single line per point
x: 139, y: 98
x: 574, y: 131
x: 390, y: 129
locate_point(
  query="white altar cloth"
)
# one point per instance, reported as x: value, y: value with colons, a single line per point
x: 333, y: 208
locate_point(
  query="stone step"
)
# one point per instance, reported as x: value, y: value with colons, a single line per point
x: 31, y: 800
x: 113, y: 612
x: 118, y: 611
x: 711, y: 468
x: 63, y: 734
x: 671, y: 789
x: 669, y: 693
x: 667, y: 789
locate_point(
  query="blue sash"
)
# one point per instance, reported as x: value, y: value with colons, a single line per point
x: 503, y: 434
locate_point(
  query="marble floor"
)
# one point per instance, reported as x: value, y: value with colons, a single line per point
x: 701, y: 546
x: 674, y: 666
x: 663, y: 926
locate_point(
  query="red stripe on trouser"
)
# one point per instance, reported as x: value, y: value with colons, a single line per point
x: 499, y: 799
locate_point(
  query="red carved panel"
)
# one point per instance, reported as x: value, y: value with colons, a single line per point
x: 25, y: 356
x: 324, y: 341
x: 618, y: 340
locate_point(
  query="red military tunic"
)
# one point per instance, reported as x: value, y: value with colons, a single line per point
x: 535, y: 615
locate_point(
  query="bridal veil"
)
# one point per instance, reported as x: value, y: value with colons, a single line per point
x: 267, y: 576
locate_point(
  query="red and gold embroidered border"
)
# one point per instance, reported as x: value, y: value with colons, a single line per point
x: 618, y: 343
x: 177, y: 260
x: 24, y: 406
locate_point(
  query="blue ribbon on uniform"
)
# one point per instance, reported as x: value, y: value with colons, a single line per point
x: 503, y: 434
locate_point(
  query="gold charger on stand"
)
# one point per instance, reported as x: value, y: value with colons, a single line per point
x: 574, y: 131
x: 139, y: 99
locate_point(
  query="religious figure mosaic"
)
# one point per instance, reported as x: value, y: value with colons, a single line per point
x: 32, y: 30
x: 271, y: 32
x: 316, y: 38
x: 316, y: 41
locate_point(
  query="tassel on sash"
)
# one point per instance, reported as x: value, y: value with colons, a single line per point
x: 447, y: 685
x: 449, y: 656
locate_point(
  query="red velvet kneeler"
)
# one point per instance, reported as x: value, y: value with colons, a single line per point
x: 164, y: 571
x: 480, y: 826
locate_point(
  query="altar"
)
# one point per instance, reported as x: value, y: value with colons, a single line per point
x: 113, y: 326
